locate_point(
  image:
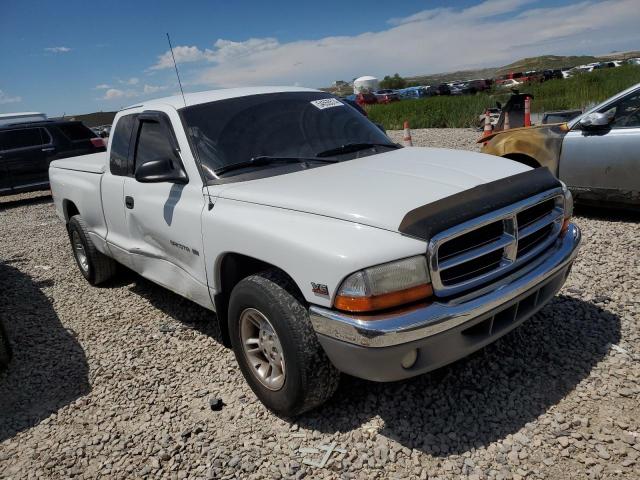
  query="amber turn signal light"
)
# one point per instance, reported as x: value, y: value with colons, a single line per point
x: 380, y: 302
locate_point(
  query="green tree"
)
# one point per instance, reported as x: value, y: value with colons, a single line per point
x: 394, y: 82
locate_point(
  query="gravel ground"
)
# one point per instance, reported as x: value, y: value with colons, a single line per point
x: 116, y: 381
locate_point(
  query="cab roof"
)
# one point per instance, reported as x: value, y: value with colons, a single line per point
x: 198, y: 98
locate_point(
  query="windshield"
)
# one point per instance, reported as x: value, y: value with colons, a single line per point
x: 288, y: 124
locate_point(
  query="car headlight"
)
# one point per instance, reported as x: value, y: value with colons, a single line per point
x: 385, y: 286
x: 568, y: 208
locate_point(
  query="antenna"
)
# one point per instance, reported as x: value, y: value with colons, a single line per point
x: 195, y: 143
x: 176, y: 67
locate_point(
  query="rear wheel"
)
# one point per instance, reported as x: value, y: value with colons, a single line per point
x: 276, y: 347
x: 94, y: 266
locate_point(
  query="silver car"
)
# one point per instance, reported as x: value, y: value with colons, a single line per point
x: 597, y: 154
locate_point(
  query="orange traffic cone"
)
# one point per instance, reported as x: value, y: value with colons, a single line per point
x: 407, y: 135
x: 506, y: 125
x: 487, y: 124
x: 527, y: 111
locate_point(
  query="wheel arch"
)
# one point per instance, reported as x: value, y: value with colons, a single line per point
x: 524, y: 159
x: 230, y: 269
x: 69, y: 209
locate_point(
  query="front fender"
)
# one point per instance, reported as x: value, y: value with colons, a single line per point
x: 308, y: 247
x: 542, y: 144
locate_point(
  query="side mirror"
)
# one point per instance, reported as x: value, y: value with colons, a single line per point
x: 596, y: 120
x: 160, y: 170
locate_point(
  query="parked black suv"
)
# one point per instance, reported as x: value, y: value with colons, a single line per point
x: 442, y: 89
x: 26, y: 149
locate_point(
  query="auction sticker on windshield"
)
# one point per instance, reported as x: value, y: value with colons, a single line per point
x: 326, y: 103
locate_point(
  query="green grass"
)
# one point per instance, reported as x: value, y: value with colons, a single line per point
x: 452, y: 112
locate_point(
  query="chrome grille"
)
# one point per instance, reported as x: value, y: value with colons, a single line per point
x: 488, y: 247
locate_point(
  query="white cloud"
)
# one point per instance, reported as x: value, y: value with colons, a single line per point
x: 490, y: 33
x: 130, y: 81
x: 149, y: 89
x: 183, y: 54
x: 224, y: 50
x: 57, y: 49
x: 102, y: 86
x: 229, y: 50
x: 4, y: 98
x: 118, y: 94
x: 488, y: 8
x: 115, y: 93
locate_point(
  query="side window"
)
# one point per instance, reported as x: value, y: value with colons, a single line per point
x: 22, y: 138
x: 153, y: 143
x: 626, y: 111
x: 119, y: 161
x: 77, y: 131
x: 45, y: 136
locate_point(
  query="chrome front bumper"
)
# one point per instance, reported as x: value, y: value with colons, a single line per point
x: 400, y: 327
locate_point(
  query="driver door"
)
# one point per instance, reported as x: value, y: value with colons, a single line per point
x: 163, y: 218
x: 604, y: 163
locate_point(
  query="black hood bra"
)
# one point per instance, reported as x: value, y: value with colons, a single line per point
x: 425, y: 221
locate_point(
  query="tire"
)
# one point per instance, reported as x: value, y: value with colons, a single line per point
x: 5, y: 349
x: 309, y: 377
x: 93, y: 265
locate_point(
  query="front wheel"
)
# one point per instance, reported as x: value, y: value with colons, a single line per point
x: 276, y: 347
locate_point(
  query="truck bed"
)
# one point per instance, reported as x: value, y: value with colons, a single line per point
x: 76, y: 186
x: 92, y: 163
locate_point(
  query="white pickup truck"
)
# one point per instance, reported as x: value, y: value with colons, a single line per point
x: 322, y: 246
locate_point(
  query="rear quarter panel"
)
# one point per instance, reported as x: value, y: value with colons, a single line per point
x: 83, y: 190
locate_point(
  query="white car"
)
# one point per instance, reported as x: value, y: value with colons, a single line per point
x: 21, y: 117
x: 509, y: 83
x: 322, y: 246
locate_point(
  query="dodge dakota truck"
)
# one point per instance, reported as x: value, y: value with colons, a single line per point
x: 321, y: 246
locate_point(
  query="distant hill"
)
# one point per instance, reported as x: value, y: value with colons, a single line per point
x: 437, y: 78
x: 546, y: 62
x: 541, y: 62
x: 94, y: 119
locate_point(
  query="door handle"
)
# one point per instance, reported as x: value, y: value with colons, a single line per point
x: 128, y: 201
x: 49, y: 149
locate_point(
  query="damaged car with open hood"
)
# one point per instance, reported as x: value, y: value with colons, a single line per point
x: 321, y: 246
x: 597, y: 154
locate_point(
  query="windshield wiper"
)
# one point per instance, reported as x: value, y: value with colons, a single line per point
x: 267, y: 160
x: 354, y: 147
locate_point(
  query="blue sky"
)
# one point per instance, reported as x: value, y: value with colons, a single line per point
x: 78, y: 57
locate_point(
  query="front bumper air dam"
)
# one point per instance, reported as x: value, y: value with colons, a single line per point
x: 372, y: 347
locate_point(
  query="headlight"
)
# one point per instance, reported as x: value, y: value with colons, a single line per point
x: 568, y: 208
x: 385, y: 286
